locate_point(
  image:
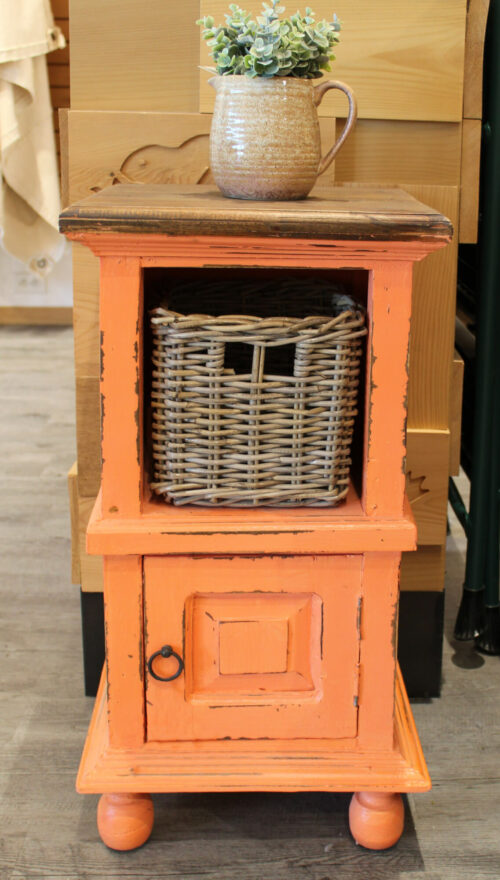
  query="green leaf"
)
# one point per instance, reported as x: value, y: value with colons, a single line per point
x: 297, y: 46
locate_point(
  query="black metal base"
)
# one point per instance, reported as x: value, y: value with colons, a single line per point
x: 470, y: 617
x: 420, y: 646
x: 488, y: 642
x: 92, y: 606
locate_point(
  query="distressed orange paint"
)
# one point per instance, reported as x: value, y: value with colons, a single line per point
x: 389, y: 307
x: 308, y: 698
x: 285, y: 620
x: 121, y: 317
x: 124, y: 649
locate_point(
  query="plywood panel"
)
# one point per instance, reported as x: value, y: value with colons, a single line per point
x: 129, y: 55
x: 91, y: 572
x: 64, y: 157
x: 469, y: 185
x: 427, y: 482
x: 393, y: 150
x: 424, y: 568
x: 88, y: 434
x: 108, y: 148
x: 477, y: 14
x: 35, y: 315
x: 433, y: 320
x: 403, y: 59
x: 75, y: 536
x: 457, y: 381
x: 86, y: 311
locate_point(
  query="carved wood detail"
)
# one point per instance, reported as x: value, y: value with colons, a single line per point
x: 158, y: 163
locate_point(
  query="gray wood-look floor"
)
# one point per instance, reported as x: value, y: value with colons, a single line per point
x: 48, y: 831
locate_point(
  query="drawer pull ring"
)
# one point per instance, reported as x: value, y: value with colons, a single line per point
x: 166, y: 651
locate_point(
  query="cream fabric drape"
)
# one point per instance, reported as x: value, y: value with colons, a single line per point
x: 29, y: 193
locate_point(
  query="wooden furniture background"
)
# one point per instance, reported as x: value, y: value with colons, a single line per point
x: 414, y: 68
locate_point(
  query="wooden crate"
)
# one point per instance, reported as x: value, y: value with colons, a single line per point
x: 404, y: 60
x: 127, y: 55
x: 427, y: 469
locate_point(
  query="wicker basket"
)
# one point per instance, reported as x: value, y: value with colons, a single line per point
x: 238, y: 435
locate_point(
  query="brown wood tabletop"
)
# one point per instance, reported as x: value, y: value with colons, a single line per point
x: 345, y: 212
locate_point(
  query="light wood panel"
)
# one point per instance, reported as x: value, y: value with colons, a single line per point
x: 135, y: 147
x: 427, y: 482
x: 88, y: 434
x: 107, y: 148
x: 469, y: 185
x: 403, y: 59
x: 35, y: 315
x: 457, y: 382
x: 91, y: 567
x: 73, y: 509
x: 424, y: 568
x: 129, y: 55
x: 394, y: 150
x: 433, y: 320
x: 64, y: 157
x: 477, y: 14
x: 86, y: 311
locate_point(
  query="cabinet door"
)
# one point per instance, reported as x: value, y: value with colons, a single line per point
x: 270, y: 647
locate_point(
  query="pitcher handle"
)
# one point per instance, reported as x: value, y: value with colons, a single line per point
x: 318, y: 93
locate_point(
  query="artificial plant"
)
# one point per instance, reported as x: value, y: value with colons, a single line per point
x: 269, y: 46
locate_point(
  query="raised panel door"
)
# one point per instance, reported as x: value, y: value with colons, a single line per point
x: 270, y: 647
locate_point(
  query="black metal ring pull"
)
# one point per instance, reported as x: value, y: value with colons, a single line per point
x: 166, y: 651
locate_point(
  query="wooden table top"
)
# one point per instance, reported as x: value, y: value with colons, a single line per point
x: 343, y: 212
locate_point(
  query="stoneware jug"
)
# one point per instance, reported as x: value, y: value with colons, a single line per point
x: 265, y: 141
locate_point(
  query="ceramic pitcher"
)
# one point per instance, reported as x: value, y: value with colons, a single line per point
x: 265, y: 140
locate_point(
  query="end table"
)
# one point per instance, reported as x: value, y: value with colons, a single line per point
x: 252, y: 649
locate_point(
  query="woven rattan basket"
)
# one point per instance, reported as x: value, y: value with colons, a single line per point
x: 225, y: 436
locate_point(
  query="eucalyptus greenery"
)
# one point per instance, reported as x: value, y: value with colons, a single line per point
x: 297, y: 46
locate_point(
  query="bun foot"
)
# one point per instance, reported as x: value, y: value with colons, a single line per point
x: 376, y: 818
x: 125, y: 821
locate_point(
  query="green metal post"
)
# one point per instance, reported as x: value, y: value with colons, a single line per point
x: 470, y: 619
x: 488, y: 641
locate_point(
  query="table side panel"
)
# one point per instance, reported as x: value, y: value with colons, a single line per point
x: 123, y: 609
x: 389, y: 308
x: 121, y: 384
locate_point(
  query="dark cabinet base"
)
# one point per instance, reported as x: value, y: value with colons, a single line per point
x: 420, y: 648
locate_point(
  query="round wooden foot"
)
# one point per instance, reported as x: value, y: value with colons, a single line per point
x: 125, y: 821
x: 376, y: 819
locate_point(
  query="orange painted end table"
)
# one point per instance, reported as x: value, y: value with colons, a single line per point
x: 252, y: 649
